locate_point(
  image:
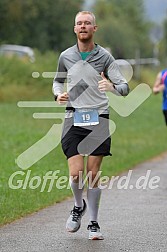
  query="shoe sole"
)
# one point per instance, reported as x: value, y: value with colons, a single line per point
x: 73, y: 230
x: 96, y: 238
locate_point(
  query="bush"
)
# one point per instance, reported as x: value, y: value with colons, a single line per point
x: 16, y: 81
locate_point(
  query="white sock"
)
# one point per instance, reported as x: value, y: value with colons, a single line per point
x: 77, y: 192
x: 93, y: 196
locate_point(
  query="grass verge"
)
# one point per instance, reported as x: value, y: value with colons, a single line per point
x: 138, y: 137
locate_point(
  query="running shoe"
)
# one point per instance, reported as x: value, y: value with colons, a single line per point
x: 74, y: 221
x: 94, y: 231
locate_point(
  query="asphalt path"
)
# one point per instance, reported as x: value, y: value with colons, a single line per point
x: 132, y: 216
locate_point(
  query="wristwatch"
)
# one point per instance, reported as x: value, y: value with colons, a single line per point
x: 56, y: 97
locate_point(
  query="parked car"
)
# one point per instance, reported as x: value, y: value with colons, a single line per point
x: 18, y: 50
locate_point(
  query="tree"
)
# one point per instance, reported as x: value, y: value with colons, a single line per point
x: 42, y: 24
x: 165, y: 35
x: 122, y: 27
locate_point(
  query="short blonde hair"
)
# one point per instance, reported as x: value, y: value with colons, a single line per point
x: 86, y: 12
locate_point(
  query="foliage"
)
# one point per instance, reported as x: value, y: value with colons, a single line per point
x: 48, y: 25
x: 122, y: 27
x: 165, y: 35
x: 41, y: 24
x: 16, y: 77
x: 163, y: 44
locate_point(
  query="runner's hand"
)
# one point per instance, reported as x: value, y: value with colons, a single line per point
x: 158, y: 88
x: 62, y: 98
x: 105, y: 85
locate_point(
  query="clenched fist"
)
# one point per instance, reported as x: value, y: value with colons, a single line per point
x: 105, y: 85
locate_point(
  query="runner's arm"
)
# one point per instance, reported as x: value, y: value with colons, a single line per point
x: 158, y: 85
x: 60, y: 77
x: 119, y: 82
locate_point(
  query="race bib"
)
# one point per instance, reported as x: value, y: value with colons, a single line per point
x: 86, y: 117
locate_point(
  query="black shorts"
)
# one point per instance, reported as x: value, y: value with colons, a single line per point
x: 89, y: 140
x: 165, y: 115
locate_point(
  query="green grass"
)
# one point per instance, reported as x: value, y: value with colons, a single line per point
x: 138, y: 137
x: 20, y: 131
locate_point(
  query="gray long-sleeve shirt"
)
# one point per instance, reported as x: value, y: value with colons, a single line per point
x: 82, y: 77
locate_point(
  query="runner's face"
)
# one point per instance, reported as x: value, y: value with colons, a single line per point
x: 84, y: 27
